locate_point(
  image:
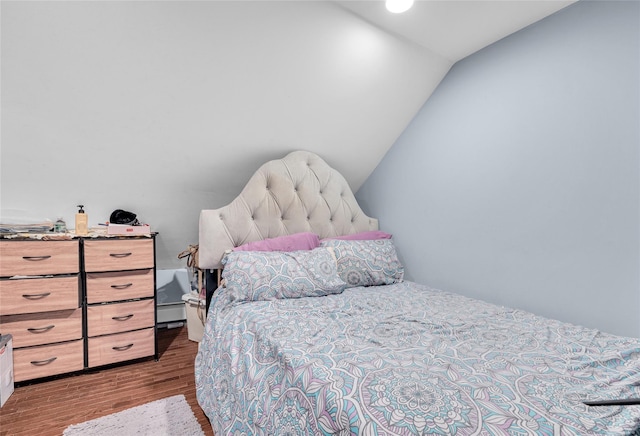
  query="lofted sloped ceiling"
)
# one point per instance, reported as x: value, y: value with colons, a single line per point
x: 455, y: 29
x: 374, y: 68
x: 446, y: 31
x: 167, y: 107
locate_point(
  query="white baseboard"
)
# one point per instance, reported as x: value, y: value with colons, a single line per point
x: 171, y: 312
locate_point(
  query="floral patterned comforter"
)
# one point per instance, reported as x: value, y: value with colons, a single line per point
x: 405, y: 359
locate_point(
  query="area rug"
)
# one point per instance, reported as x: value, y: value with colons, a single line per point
x: 169, y: 416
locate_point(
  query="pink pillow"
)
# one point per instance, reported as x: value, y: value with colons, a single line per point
x: 295, y: 242
x: 368, y: 235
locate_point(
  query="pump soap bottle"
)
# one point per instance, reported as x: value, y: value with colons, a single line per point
x: 82, y: 220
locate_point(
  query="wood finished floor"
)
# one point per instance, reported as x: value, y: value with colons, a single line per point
x: 48, y: 407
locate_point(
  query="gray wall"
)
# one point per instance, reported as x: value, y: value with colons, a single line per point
x: 518, y: 182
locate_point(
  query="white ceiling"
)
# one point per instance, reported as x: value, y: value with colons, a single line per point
x: 455, y: 29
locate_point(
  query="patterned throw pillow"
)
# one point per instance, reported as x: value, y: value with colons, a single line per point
x: 367, y: 262
x: 271, y: 275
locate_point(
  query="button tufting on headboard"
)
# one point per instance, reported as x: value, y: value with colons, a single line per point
x: 298, y: 193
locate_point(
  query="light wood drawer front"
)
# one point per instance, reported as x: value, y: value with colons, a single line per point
x: 43, y: 328
x: 120, y: 347
x: 38, y: 257
x: 120, y: 254
x: 105, y: 319
x: 43, y: 361
x: 38, y: 295
x: 118, y: 286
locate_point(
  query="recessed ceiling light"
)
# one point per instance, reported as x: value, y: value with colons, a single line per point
x: 398, y: 6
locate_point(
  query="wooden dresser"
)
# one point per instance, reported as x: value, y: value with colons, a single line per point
x: 120, y: 291
x: 77, y: 304
x: 43, y: 312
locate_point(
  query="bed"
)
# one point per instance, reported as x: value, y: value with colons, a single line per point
x: 314, y: 330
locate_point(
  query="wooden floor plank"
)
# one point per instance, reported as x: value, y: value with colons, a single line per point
x: 48, y: 407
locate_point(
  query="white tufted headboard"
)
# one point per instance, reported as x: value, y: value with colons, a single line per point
x: 298, y: 193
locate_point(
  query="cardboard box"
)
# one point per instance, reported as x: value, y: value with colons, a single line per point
x: 123, y: 229
x: 6, y: 368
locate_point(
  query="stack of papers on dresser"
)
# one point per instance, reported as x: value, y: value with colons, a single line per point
x: 24, y: 226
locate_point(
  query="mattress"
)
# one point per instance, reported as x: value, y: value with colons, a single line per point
x: 406, y: 359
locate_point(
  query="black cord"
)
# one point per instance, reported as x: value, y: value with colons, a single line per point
x: 618, y: 402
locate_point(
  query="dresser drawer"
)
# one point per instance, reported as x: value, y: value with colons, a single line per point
x: 47, y: 360
x: 38, y: 257
x: 43, y: 328
x: 118, y: 254
x: 104, y: 319
x: 118, y: 286
x: 39, y: 295
x: 120, y: 347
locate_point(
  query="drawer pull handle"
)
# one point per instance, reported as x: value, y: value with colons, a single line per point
x: 43, y: 362
x: 123, y: 348
x: 125, y: 286
x: 36, y: 257
x: 36, y: 296
x: 122, y: 318
x: 40, y: 329
x: 120, y: 254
